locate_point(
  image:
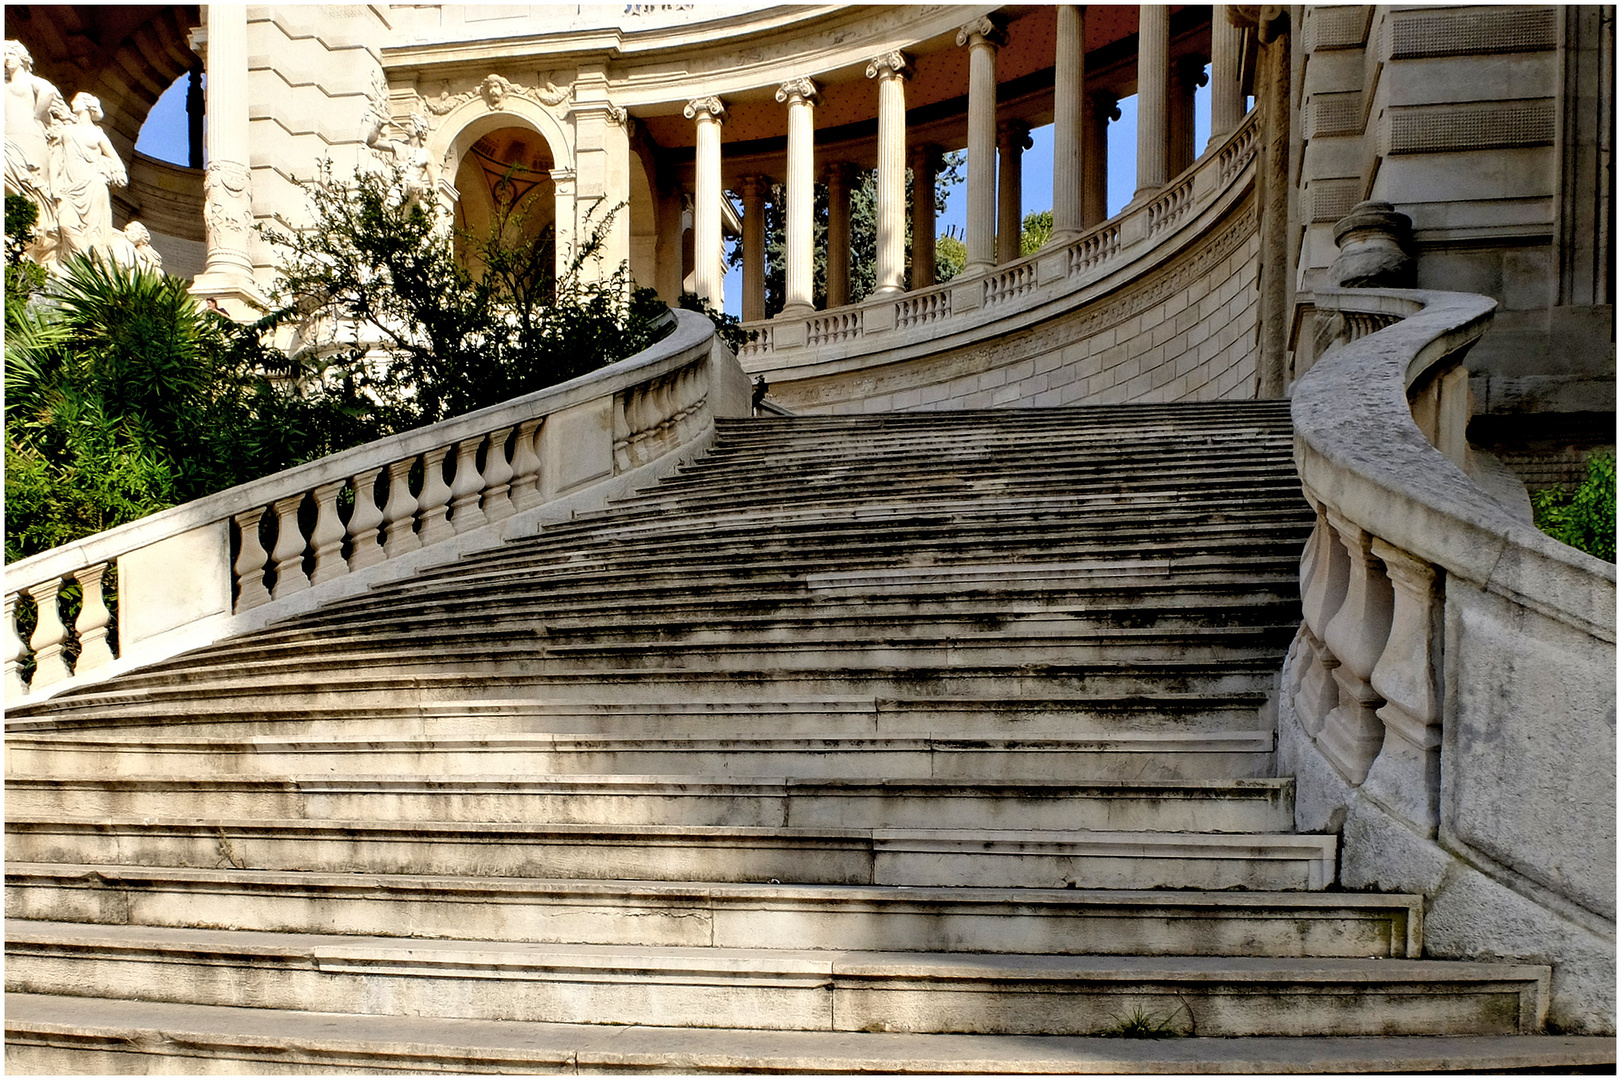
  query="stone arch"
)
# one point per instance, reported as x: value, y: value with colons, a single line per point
x: 470, y: 121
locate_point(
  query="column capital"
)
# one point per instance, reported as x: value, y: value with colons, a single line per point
x: 1190, y: 70
x: 795, y: 91
x: 841, y: 172
x: 982, y: 31
x: 705, y: 108
x: 1013, y: 134
x: 1106, y: 104
x: 752, y: 186
x: 890, y: 65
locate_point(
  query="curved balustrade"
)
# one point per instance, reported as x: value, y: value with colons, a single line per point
x: 222, y: 564
x: 1058, y: 272
x: 1452, y: 689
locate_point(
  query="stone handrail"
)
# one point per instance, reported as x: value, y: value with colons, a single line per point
x: 1056, y: 270
x: 1456, y: 668
x: 229, y: 562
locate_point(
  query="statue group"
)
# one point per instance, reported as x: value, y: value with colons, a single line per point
x: 59, y: 158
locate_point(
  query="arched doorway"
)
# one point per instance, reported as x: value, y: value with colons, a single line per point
x: 508, y: 196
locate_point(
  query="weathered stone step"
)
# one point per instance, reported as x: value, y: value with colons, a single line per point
x: 895, y: 919
x: 1225, y: 806
x: 832, y: 718
x: 56, y: 1035
x: 1217, y: 755
x: 828, y: 856
x: 778, y: 989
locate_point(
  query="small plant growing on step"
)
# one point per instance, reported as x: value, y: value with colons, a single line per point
x: 1142, y: 1024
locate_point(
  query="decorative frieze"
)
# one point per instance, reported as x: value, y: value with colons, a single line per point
x: 495, y: 89
x: 1431, y: 129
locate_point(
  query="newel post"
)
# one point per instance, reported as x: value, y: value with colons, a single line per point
x: 1406, y: 776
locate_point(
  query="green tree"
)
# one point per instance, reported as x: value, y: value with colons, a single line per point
x: 950, y: 256
x: 1584, y: 518
x: 1035, y: 230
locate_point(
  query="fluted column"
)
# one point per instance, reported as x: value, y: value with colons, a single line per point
x: 1187, y: 77
x: 227, y: 185
x: 838, y: 234
x: 890, y: 70
x: 708, y: 267
x: 800, y: 263
x: 1226, y: 92
x: 1101, y: 108
x: 1069, y: 88
x: 753, y: 248
x: 982, y: 36
x: 925, y: 163
x: 1153, y: 84
x: 1012, y: 140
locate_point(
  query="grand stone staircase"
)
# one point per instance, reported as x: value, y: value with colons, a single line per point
x: 912, y: 742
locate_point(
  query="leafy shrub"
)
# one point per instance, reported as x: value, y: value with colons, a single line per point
x: 1585, y: 518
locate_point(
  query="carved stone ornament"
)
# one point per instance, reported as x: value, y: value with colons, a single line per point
x: 228, y: 196
x: 495, y: 89
x: 1375, y: 242
x: 801, y: 89
x: 985, y: 29
x: 710, y: 107
x: 889, y: 65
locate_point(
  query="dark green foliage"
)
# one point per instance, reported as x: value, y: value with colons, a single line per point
x: 455, y: 340
x: 1584, y: 518
x: 729, y: 328
x: 1034, y: 231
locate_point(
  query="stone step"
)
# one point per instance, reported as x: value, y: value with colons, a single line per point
x: 1215, y: 806
x: 990, y: 920
x: 776, y: 989
x: 834, y: 718
x: 1161, y: 756
x: 56, y: 1035
x: 826, y: 856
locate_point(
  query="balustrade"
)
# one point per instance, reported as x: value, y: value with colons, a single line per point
x: 833, y: 326
x: 669, y: 389
x: 1171, y: 207
x: 1009, y: 284
x: 923, y: 308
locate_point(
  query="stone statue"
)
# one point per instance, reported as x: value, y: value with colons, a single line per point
x: 133, y: 248
x: 34, y: 114
x: 89, y: 168
x: 411, y: 155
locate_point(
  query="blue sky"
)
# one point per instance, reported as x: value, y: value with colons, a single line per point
x: 163, y: 136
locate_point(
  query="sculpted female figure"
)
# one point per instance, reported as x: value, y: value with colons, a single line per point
x: 33, y: 109
x: 89, y: 166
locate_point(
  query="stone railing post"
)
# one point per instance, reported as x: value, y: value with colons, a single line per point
x: 399, y: 513
x: 525, y: 489
x: 1353, y: 732
x: 364, y: 548
x: 1324, y: 571
x: 433, y: 502
x: 327, y: 536
x: 497, y: 478
x: 466, y: 487
x: 250, y: 561
x: 50, y: 634
x: 289, y: 550
x: 1406, y: 776
x: 93, y: 620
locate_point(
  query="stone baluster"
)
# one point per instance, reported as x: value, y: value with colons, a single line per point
x: 1069, y: 86
x: 890, y: 70
x: 94, y: 618
x: 1406, y: 776
x: 497, y: 478
x: 364, y: 549
x: 1012, y: 140
x: 799, y: 220
x: 327, y: 536
x: 982, y: 36
x: 15, y: 651
x: 838, y: 233
x: 1153, y: 90
x: 399, y: 513
x: 707, y: 254
x: 1322, y: 593
x: 1357, y: 633
x: 433, y: 501
x: 289, y: 550
x: 753, y: 191
x: 50, y: 635
x: 525, y: 487
x: 465, y: 489
x: 250, y: 561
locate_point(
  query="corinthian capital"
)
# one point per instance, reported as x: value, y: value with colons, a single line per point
x: 889, y: 65
x: 983, y: 29
x: 709, y: 107
x: 797, y: 90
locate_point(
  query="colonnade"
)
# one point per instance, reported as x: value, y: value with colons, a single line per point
x: 1080, y: 166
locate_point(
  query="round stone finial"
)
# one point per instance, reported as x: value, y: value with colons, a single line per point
x: 1375, y: 242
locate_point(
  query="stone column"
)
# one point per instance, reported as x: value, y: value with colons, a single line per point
x: 1226, y: 92
x: 890, y: 71
x: 1153, y: 84
x: 982, y: 37
x: 227, y: 185
x: 1012, y: 140
x: 1069, y: 88
x: 194, y: 118
x: 1101, y: 108
x: 800, y: 262
x: 753, y: 247
x: 838, y: 234
x: 1187, y: 77
x: 708, y: 269
x: 925, y: 163
x: 1272, y: 98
